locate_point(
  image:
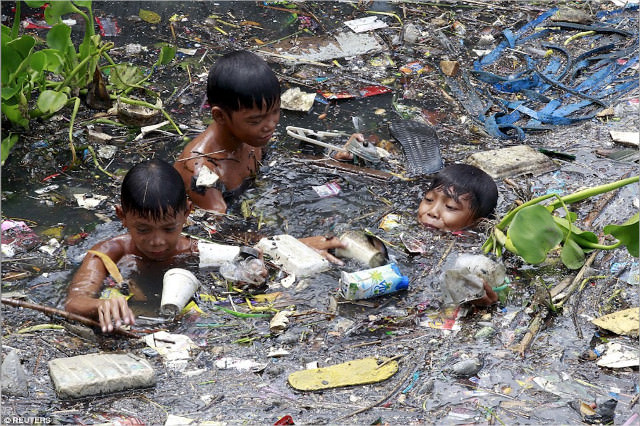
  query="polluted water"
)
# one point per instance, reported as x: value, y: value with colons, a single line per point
x: 412, y: 80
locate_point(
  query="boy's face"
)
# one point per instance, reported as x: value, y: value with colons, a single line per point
x: 439, y: 211
x: 154, y: 239
x: 254, y: 126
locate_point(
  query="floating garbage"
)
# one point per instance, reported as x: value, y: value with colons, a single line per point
x: 293, y: 256
x: 92, y: 374
x: 89, y: 201
x: 356, y: 372
x: 367, y: 23
x: 420, y: 144
x: 366, y: 249
x: 295, y: 99
x: 373, y: 282
x: 512, y: 161
x: 214, y: 254
x: 329, y: 189
x: 626, y: 322
x: 178, y: 287
x: 175, y: 349
x: 464, y: 281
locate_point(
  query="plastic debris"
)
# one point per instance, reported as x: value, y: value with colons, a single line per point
x: 89, y: 201
x: 329, y: 189
x: 149, y: 16
x: 279, y: 322
x: 207, y: 178
x: 173, y: 420
x: 467, y: 367
x: 17, y: 237
x: 295, y: 99
x: 174, y: 348
x: 390, y: 221
x: 108, y: 27
x: 51, y: 247
x: 464, y: 281
x: 356, y: 372
x: 367, y: 23
x: 625, y: 322
x: 373, y: 282
x: 239, y: 364
x: 420, y: 144
x: 625, y: 138
x: 293, y: 256
x: 619, y: 356
x: 367, y: 249
x: 286, y: 420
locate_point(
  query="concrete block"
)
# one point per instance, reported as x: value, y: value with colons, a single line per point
x: 512, y: 161
x: 92, y: 374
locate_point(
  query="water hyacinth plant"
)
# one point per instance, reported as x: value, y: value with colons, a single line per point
x: 531, y: 230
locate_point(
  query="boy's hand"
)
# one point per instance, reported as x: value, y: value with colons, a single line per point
x: 323, y: 244
x: 488, y: 299
x: 114, y: 311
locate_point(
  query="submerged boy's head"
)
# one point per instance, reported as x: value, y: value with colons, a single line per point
x: 153, y: 189
x: 458, y: 197
x: 154, y: 208
x: 242, y: 79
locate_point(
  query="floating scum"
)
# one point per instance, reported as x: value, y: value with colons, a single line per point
x: 561, y: 87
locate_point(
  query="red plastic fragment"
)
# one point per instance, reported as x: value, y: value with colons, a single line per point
x: 286, y: 420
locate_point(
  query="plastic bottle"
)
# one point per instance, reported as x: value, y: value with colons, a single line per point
x: 373, y: 282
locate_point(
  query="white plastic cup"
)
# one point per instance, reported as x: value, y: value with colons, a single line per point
x: 178, y: 286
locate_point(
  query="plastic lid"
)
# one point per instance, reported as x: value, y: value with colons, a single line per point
x: 403, y: 284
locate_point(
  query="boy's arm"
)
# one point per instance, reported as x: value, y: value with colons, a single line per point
x: 83, y: 293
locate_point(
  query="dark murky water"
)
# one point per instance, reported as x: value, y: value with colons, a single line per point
x: 507, y: 389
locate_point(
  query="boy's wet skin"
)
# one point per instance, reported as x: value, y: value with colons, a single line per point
x: 439, y: 211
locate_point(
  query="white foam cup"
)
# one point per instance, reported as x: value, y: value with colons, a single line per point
x: 178, y: 286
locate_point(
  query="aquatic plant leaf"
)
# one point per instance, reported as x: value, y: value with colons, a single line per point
x: 149, y: 16
x: 125, y: 76
x: 533, y: 233
x: 52, y: 60
x: 14, y: 114
x: 51, y: 101
x: 84, y: 3
x: 167, y: 53
x: 7, y: 144
x: 627, y: 233
x: 109, y: 264
x: 56, y: 9
x: 572, y: 255
x: 35, y: 3
x: 58, y: 38
x: 578, y: 235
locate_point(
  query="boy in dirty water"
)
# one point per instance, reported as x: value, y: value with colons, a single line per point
x: 459, y: 197
x: 154, y: 209
x: 244, y: 94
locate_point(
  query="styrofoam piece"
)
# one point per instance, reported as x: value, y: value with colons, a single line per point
x: 293, y: 256
x: 512, y: 161
x: 178, y: 286
x: 93, y: 374
x: 213, y: 255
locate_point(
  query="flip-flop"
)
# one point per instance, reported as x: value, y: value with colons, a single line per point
x: 421, y: 146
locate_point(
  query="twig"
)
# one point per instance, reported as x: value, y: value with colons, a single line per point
x: 383, y: 399
x: 68, y: 315
x: 388, y: 360
x: 445, y: 254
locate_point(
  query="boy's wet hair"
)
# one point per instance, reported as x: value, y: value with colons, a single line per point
x: 458, y: 180
x: 242, y: 79
x: 153, y: 189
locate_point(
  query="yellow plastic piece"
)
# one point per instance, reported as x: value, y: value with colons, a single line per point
x: 356, y: 372
x: 109, y: 265
x: 624, y: 322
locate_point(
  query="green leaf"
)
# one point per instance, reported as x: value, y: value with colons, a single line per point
x: 149, y: 16
x: 57, y: 9
x: 38, y: 61
x: 9, y: 92
x: 533, y: 233
x: 6, y: 35
x: 22, y: 46
x: 54, y: 61
x: 14, y: 114
x: 123, y: 76
x: 7, y: 144
x: 34, y: 3
x: 627, y: 233
x: 578, y: 235
x: 51, y: 101
x: 572, y: 255
x: 84, y: 3
x: 167, y: 53
x: 59, y: 38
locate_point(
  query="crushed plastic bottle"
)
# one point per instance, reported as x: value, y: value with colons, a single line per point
x: 246, y: 267
x: 373, y: 282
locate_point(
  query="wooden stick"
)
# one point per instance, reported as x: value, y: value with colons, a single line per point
x: 68, y: 315
x: 601, y: 204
